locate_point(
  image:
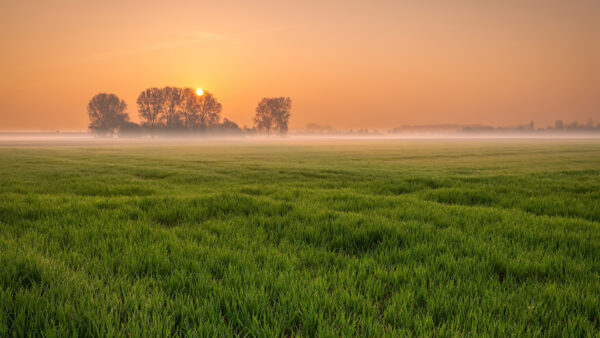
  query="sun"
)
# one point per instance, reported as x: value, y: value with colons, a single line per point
x: 199, y: 91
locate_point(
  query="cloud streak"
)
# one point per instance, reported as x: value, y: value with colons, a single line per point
x: 189, y: 38
x: 196, y: 37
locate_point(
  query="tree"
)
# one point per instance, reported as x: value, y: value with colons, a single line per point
x: 199, y: 111
x: 107, y: 113
x: 190, y: 107
x: 559, y: 125
x: 130, y: 129
x: 171, y: 112
x: 209, y: 110
x: 272, y: 114
x: 229, y: 127
x: 173, y: 108
x: 590, y: 124
x: 150, y: 104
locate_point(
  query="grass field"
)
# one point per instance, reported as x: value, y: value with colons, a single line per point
x: 324, y: 238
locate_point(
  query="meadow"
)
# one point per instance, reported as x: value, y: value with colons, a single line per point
x: 301, y: 238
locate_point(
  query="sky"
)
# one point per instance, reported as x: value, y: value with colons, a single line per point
x: 348, y: 64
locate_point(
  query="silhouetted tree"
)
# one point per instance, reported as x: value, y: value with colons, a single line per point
x: 107, y: 113
x: 589, y: 124
x: 130, y: 129
x: 189, y: 107
x: 229, y: 127
x: 318, y: 129
x: 209, y: 111
x: 171, y: 112
x: 150, y: 105
x: 559, y: 125
x: 248, y: 130
x: 172, y: 108
x: 272, y: 114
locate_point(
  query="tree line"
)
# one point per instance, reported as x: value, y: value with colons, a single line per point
x: 559, y: 126
x: 181, y: 110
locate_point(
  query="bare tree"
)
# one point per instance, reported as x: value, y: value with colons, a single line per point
x: 272, y: 114
x: 150, y: 104
x: 106, y: 113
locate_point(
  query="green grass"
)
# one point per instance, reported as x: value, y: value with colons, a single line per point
x: 365, y: 238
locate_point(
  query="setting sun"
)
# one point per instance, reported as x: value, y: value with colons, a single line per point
x: 199, y: 92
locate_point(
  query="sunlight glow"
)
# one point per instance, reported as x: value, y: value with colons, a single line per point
x: 199, y: 91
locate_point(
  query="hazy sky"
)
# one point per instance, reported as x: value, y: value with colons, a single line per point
x: 350, y: 64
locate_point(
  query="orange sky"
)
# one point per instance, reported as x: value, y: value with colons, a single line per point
x: 350, y: 64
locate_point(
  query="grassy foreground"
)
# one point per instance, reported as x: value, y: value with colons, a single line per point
x: 329, y: 238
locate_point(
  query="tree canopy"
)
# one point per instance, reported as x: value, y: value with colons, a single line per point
x: 106, y: 113
x: 272, y: 115
x: 150, y: 105
x: 178, y: 108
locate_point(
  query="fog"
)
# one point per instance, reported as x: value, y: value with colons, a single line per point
x: 33, y: 139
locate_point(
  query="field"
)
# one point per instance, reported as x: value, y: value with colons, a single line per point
x: 328, y: 238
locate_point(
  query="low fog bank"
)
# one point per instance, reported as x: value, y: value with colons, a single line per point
x: 85, y: 138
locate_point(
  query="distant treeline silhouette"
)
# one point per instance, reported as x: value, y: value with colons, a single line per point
x: 559, y: 126
x: 172, y: 110
x: 529, y: 128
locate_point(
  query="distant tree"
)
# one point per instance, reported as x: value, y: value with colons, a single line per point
x: 272, y: 114
x: 190, y: 108
x: 173, y: 108
x: 171, y: 112
x: 589, y: 124
x: 318, y: 129
x: 106, y: 113
x: 229, y: 127
x: 130, y: 129
x: 559, y: 125
x: 209, y: 111
x: 248, y: 130
x: 150, y: 105
x: 199, y: 111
